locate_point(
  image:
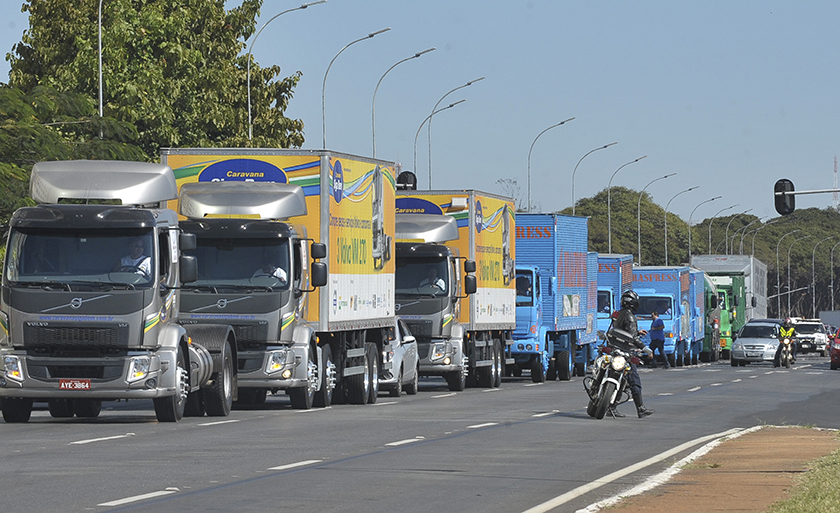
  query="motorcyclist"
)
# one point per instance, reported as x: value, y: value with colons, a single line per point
x: 626, y: 321
x: 786, y: 330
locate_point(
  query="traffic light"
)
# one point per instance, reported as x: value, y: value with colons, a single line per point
x: 785, y: 203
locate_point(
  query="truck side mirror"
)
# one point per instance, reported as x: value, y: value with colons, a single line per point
x: 469, y: 266
x: 318, y: 250
x: 552, y: 285
x: 318, y: 274
x: 188, y: 267
x: 754, y: 302
x: 714, y: 302
x: 470, y: 284
x: 737, y: 301
x: 187, y: 242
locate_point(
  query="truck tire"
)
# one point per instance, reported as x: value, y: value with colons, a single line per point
x: 195, y: 404
x: 551, y: 373
x: 324, y: 396
x: 373, y: 361
x: 564, y: 365
x: 456, y: 381
x: 397, y: 390
x: 61, y: 408
x: 414, y: 385
x: 304, y: 397
x: 171, y: 408
x: 358, y: 385
x: 498, y: 364
x: 218, y: 397
x: 671, y: 360
x: 16, y: 409
x: 537, y: 371
x: 87, y: 408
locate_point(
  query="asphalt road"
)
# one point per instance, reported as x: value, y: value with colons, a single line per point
x: 497, y: 450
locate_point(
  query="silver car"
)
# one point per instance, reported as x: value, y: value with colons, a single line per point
x: 400, y: 363
x: 756, y: 343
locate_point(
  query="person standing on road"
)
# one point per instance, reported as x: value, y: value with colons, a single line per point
x: 657, y: 338
x: 626, y: 321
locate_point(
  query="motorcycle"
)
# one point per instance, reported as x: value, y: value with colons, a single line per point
x: 786, y: 355
x: 607, y: 385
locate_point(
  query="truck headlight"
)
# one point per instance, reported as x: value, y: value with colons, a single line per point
x: 138, y: 368
x: 438, y: 351
x: 276, y: 361
x: 13, y: 368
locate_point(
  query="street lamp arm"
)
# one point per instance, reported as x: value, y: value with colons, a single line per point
x: 424, y: 122
x: 667, y: 205
x: 609, y: 202
x: 639, y: 215
x: 434, y: 109
x: 578, y: 163
x: 529, y: 157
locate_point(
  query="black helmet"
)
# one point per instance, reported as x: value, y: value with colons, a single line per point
x: 630, y: 300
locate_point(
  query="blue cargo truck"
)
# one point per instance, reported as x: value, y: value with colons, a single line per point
x: 666, y: 290
x: 690, y: 353
x: 555, y: 331
x: 615, y: 277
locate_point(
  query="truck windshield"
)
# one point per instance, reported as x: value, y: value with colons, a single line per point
x: 85, y: 256
x: 604, y: 303
x: 809, y: 328
x: 524, y: 288
x: 648, y: 304
x: 243, y: 262
x: 422, y: 277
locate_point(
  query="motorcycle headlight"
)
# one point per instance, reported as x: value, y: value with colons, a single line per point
x: 138, y: 368
x: 276, y: 361
x: 618, y: 362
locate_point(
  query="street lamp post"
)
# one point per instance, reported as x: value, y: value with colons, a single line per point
x: 814, y: 277
x: 778, y: 285
x: 251, y: 47
x: 376, y: 89
x: 744, y: 233
x: 424, y: 122
x: 529, y: 157
x: 831, y: 265
x: 666, y: 218
x: 689, y: 223
x: 609, y: 202
x: 576, y: 166
x: 471, y: 82
x: 639, y: 215
x: 99, y: 23
x: 324, y: 86
x: 710, y: 224
x: 726, y: 235
x: 788, y: 270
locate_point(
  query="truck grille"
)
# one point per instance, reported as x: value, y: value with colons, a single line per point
x: 77, y: 337
x: 420, y: 328
x: 246, y: 333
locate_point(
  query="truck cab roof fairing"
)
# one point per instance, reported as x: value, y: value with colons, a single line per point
x: 426, y: 228
x: 267, y: 200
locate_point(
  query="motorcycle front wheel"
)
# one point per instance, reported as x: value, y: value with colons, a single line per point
x: 604, y: 399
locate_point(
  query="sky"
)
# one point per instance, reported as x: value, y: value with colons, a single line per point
x: 730, y: 96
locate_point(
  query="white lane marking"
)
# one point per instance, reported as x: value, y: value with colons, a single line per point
x: 313, y: 410
x: 736, y: 380
x: 492, y: 390
x: 769, y: 372
x: 444, y: 395
x: 693, y: 389
x: 712, y: 370
x: 816, y: 373
x: 142, y: 497
x: 667, y: 393
x: 546, y: 414
x: 407, y: 441
x: 716, y: 384
x: 753, y: 377
x: 92, y: 440
x: 389, y: 403
x: 296, y: 465
x: 609, y: 478
x: 535, y: 384
x: 219, y: 422
x: 486, y: 424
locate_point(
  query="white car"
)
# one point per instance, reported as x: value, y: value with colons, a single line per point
x: 400, y: 363
x: 756, y: 342
x: 811, y: 337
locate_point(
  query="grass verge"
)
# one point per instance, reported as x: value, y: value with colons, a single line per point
x: 815, y: 490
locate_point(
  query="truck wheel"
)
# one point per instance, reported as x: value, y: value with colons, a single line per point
x: 16, y: 409
x: 397, y: 390
x: 61, y: 408
x: 734, y: 362
x: 498, y: 363
x: 564, y: 365
x: 195, y: 404
x: 324, y: 397
x: 580, y: 369
x: 171, y: 408
x: 303, y: 397
x: 218, y: 397
x: 412, y: 387
x: 456, y: 381
x: 358, y: 385
x: 672, y: 360
x: 551, y: 373
x: 373, y: 360
x: 724, y: 354
x: 537, y: 371
x: 87, y: 408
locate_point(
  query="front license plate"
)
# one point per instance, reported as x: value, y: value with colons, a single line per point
x: 74, y: 384
x: 753, y: 355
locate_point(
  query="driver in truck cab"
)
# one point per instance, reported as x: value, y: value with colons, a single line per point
x: 432, y: 279
x: 136, y: 261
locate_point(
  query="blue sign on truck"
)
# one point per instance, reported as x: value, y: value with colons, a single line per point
x: 555, y: 316
x: 615, y: 277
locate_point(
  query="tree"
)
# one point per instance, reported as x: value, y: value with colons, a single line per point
x: 173, y: 69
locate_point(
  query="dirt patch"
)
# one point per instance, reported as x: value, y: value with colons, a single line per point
x: 744, y: 474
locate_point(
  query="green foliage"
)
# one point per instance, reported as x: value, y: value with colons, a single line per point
x: 815, y: 490
x: 172, y: 69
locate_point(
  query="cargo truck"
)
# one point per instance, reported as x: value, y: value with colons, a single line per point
x: 455, y: 281
x: 741, y: 281
x: 319, y: 333
x: 555, y: 308
x: 90, y: 292
x: 710, y: 350
x: 665, y: 290
x: 615, y: 277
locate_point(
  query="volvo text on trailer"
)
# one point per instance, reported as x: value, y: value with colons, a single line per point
x: 84, y: 319
x: 463, y: 322
x: 311, y: 335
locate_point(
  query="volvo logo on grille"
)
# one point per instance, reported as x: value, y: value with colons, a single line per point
x: 76, y: 303
x: 221, y: 303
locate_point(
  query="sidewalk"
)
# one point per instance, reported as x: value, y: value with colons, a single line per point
x: 743, y: 474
